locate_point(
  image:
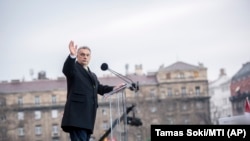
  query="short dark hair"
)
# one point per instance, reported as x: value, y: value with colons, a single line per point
x: 84, y: 47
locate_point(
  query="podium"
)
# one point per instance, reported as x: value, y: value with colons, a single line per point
x: 118, y: 111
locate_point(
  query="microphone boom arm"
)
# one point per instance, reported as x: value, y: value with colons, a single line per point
x: 132, y: 85
x: 122, y: 77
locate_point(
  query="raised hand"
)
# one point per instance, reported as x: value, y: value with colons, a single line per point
x: 72, y: 48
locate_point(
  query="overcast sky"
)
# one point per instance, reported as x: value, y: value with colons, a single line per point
x: 35, y: 34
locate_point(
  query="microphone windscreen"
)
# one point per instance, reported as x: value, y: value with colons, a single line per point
x: 104, y: 66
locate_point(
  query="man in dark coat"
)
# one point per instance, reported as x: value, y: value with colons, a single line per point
x: 82, y: 88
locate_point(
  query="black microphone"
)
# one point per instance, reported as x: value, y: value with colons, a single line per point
x: 104, y: 66
x: 133, y: 86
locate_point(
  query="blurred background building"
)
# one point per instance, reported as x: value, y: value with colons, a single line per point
x: 219, y: 91
x: 176, y: 94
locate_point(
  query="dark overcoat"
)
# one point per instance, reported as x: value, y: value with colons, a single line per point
x: 82, y: 89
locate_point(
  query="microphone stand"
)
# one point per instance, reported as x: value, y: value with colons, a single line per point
x: 115, y: 123
x: 132, y: 86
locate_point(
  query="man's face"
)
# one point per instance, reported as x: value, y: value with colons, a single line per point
x: 83, y: 56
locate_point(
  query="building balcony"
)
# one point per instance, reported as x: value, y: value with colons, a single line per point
x: 32, y: 106
x: 239, y: 97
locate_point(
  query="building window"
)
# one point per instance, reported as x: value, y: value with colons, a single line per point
x: 171, y: 107
x: 176, y: 91
x: 197, y: 90
x: 196, y: 74
x: 170, y: 93
x: 38, y: 130
x: 55, y: 128
x: 170, y: 120
x: 186, y: 121
x: 2, y: 102
x: 168, y: 75
x: 20, y: 115
x: 2, y: 118
x: 104, y: 111
x: 199, y: 105
x: 4, y: 134
x: 54, y: 113
x: 55, y: 131
x: 20, y: 100
x: 105, y: 125
x: 37, y: 114
x: 153, y: 109
x: 37, y: 100
x: 20, y: 131
x: 183, y: 91
x: 152, y: 93
x: 184, y: 107
x: 53, y: 99
x: 181, y: 75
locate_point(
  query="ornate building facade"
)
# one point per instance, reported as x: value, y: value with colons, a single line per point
x: 176, y: 94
